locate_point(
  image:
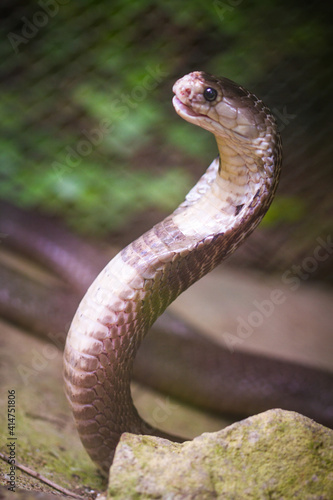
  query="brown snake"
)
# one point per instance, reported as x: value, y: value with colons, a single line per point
x: 182, y: 363
x: 224, y: 207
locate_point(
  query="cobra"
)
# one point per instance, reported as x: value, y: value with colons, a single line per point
x: 137, y: 285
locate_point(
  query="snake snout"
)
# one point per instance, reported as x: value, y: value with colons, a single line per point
x: 186, y: 88
x: 183, y: 92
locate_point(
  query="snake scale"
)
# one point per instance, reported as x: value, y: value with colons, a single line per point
x: 137, y: 285
x: 174, y: 358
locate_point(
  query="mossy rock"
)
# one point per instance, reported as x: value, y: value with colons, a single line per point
x: 275, y: 455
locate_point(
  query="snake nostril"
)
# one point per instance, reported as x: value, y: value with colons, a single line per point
x: 186, y: 92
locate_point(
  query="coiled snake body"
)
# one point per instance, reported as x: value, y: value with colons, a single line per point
x: 222, y: 209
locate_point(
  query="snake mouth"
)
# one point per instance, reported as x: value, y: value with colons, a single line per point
x: 200, y: 119
x: 183, y: 110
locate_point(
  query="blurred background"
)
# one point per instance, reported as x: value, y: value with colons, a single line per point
x: 89, y: 134
x: 89, y: 137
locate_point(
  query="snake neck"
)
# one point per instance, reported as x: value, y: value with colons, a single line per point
x: 230, y: 192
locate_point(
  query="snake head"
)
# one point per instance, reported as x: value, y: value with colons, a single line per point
x: 220, y: 106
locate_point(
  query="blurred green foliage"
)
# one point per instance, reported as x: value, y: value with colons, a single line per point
x: 285, y: 209
x: 89, y: 93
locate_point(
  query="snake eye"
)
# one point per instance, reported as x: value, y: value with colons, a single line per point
x: 210, y: 94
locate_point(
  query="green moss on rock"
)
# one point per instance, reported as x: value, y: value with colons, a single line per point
x: 275, y: 455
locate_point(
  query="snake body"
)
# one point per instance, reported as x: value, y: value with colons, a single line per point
x: 138, y: 284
